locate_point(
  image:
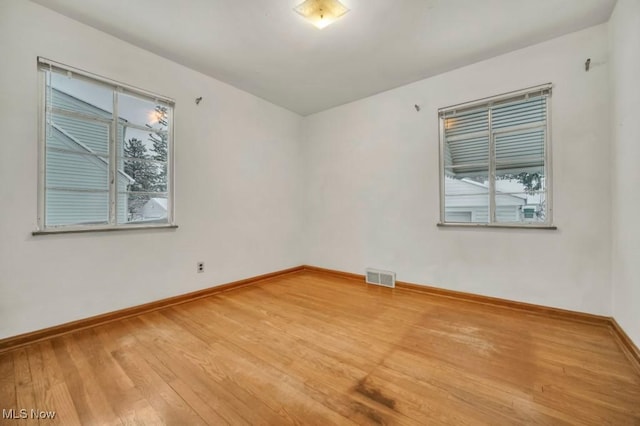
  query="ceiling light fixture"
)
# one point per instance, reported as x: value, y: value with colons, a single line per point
x: 321, y: 12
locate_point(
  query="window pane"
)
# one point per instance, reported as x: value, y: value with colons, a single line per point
x: 77, y: 164
x: 466, y: 137
x: 66, y: 207
x: 515, y: 148
x: 80, y: 186
x: 76, y: 171
x: 520, y: 195
x: 143, y: 155
x: 466, y: 122
x: 144, y: 208
x: 162, y: 178
x: 77, y: 134
x: 520, y: 179
x: 526, y: 111
x: 466, y: 197
x: 79, y: 96
x: 140, y: 144
x: 525, y: 148
x: 142, y: 189
x: 143, y: 112
x: 524, y: 207
x: 142, y: 176
x: 466, y: 151
x: 76, y: 189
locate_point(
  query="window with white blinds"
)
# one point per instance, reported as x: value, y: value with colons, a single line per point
x: 495, y: 160
x: 105, y: 154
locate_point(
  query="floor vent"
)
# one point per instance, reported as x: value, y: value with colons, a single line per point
x: 378, y: 277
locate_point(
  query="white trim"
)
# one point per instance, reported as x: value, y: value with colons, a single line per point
x: 513, y: 225
x: 42, y: 169
x: 158, y: 194
x: 143, y: 128
x: 442, y: 167
x: 79, y: 115
x: 466, y: 136
x: 520, y: 128
x: 171, y: 188
x: 113, y: 162
x: 492, y: 168
x: 101, y: 228
x: 142, y: 160
x: 466, y: 165
x: 548, y: 169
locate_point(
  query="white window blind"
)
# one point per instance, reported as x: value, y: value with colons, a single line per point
x: 495, y: 159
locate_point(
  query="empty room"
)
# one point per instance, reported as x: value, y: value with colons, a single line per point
x: 320, y: 212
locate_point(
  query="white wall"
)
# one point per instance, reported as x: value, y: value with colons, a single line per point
x: 624, y: 28
x: 236, y: 200
x: 372, y: 195
x: 364, y: 194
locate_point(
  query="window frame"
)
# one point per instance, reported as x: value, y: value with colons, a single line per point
x: 44, y: 64
x: 546, y: 91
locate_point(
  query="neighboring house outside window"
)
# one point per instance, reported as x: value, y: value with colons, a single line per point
x: 495, y: 161
x: 100, y: 169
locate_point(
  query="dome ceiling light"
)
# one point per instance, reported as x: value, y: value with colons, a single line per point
x: 321, y: 12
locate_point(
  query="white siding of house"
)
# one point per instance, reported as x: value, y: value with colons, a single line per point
x: 70, y: 176
x: 155, y: 208
x: 463, y: 197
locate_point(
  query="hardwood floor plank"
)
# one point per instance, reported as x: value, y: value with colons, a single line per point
x: 614, y: 359
x: 311, y: 348
x: 25, y: 399
x: 90, y: 401
x: 50, y: 388
x: 306, y: 380
x: 237, y: 347
x: 254, y: 346
x: 261, y: 388
x: 365, y: 362
x: 7, y: 383
x: 188, y: 393
x: 125, y: 399
x: 273, y: 355
x: 164, y: 400
x: 190, y: 369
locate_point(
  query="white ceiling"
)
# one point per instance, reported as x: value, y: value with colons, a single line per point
x: 265, y: 48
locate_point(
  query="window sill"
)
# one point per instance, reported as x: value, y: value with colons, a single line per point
x: 491, y: 225
x: 103, y: 229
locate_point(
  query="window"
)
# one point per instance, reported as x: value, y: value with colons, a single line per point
x: 105, y: 153
x: 495, y: 161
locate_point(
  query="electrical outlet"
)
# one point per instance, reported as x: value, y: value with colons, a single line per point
x: 200, y: 267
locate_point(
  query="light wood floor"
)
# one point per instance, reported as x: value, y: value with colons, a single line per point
x: 311, y: 348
